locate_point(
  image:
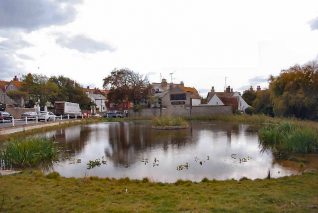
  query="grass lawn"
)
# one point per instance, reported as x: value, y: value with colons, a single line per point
x: 31, y: 191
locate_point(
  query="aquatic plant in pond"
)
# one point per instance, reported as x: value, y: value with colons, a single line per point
x: 29, y: 152
x: 290, y: 138
x: 166, y: 122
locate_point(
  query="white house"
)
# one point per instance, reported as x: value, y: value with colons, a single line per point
x: 98, y: 98
x: 228, y: 97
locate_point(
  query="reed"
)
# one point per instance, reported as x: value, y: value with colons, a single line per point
x: 29, y: 152
x: 290, y: 138
x: 169, y: 122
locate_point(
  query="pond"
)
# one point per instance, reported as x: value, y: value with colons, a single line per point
x: 213, y: 150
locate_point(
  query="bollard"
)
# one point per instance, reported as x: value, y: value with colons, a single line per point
x: 36, y: 119
x: 26, y: 120
x: 54, y: 118
x: 61, y: 118
x: 12, y: 121
x: 68, y: 117
x: 82, y: 116
x: 75, y: 116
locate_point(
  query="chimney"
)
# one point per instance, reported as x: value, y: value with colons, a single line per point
x: 258, y: 88
x: 164, y: 83
x: 15, y: 78
x: 182, y: 83
x: 212, y: 90
x: 87, y: 87
x: 228, y: 89
x: 251, y: 89
x: 231, y: 89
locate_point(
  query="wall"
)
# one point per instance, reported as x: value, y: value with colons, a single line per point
x: 16, y: 111
x: 196, y: 111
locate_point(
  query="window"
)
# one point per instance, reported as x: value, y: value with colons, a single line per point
x: 177, y: 97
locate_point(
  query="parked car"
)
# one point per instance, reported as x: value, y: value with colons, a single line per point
x: 46, y: 116
x: 5, y: 117
x: 114, y: 114
x: 29, y: 115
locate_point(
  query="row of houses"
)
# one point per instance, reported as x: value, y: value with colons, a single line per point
x: 164, y: 95
x: 170, y: 94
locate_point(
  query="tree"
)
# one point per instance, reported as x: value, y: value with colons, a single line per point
x: 126, y: 85
x: 70, y: 91
x: 38, y: 88
x: 294, y: 92
x: 249, y: 96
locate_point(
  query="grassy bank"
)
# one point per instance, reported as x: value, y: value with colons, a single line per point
x: 290, y: 138
x: 34, y: 192
x: 30, y: 152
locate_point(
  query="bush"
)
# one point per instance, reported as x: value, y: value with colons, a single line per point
x: 249, y: 110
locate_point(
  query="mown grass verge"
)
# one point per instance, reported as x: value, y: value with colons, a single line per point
x: 290, y: 138
x: 32, y: 191
x: 29, y: 152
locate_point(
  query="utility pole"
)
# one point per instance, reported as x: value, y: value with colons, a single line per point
x: 171, y: 74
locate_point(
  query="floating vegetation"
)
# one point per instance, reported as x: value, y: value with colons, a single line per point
x: 29, y: 152
x: 183, y: 167
x: 98, y: 162
x: 93, y: 163
x: 145, y: 160
x: 241, y: 160
x: 155, y: 162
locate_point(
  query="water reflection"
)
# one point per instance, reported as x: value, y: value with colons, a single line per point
x: 214, y: 150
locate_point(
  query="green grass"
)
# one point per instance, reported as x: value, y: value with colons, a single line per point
x: 32, y: 191
x: 169, y: 122
x: 29, y: 152
x: 290, y: 138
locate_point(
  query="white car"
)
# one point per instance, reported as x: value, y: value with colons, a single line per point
x: 46, y: 116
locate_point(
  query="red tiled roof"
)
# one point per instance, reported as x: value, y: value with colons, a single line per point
x: 18, y: 84
x: 3, y: 85
x: 230, y: 101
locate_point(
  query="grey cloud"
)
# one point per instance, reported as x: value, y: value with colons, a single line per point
x: 204, y: 91
x: 8, y: 66
x: 314, y: 24
x: 13, y: 44
x: 25, y: 57
x: 34, y: 14
x: 83, y: 44
x: 9, y: 63
x: 258, y: 80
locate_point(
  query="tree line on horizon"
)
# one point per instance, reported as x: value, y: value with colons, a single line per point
x: 293, y: 93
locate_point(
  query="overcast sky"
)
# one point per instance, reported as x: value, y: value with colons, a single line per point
x: 200, y: 42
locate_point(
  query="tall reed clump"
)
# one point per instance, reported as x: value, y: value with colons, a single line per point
x: 290, y: 138
x: 169, y: 122
x: 29, y: 152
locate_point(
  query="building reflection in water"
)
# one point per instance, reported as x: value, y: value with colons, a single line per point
x: 206, y: 146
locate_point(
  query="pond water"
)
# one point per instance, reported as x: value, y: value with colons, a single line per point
x: 214, y: 150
